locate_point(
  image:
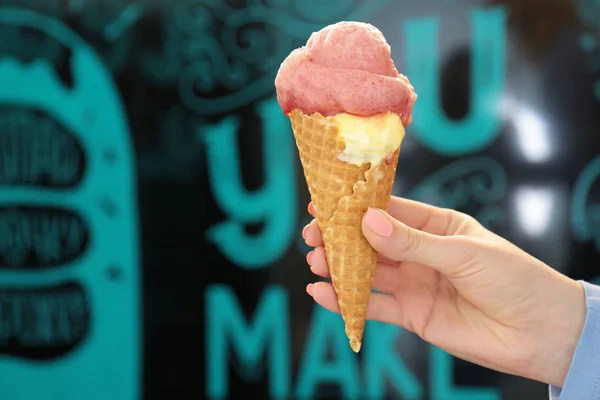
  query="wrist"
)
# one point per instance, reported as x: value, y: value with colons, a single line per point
x: 561, y: 328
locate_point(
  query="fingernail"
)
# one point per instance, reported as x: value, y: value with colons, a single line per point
x: 378, y: 222
x: 309, y: 288
x: 304, y: 231
x: 309, y: 257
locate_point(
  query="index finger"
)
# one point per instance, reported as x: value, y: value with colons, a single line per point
x: 424, y: 217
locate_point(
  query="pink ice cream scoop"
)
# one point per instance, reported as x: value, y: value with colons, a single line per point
x: 344, y: 68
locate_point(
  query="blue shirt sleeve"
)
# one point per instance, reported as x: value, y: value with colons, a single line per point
x: 583, y: 378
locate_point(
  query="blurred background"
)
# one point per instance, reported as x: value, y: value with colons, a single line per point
x: 151, y: 197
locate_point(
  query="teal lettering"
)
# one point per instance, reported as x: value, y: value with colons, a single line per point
x: 46, y: 240
x: 33, y: 147
x: 78, y: 310
x: 327, y: 333
x: 72, y: 234
x: 10, y: 318
x: 42, y: 319
x: 39, y: 323
x: 585, y: 219
x: 269, y: 330
x: 442, y: 387
x: 275, y: 203
x: 381, y: 362
x: 61, y: 311
x: 17, y: 226
x: 432, y: 127
x: 5, y: 322
x: 489, y: 216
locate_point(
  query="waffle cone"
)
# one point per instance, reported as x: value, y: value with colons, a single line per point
x: 341, y: 193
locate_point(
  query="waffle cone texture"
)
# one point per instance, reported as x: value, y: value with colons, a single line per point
x: 342, y: 193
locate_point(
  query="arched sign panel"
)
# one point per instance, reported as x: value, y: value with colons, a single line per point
x: 69, y: 251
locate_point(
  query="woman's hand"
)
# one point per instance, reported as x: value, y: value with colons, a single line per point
x: 465, y: 290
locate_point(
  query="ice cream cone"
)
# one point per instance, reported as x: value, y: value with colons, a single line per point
x: 349, y: 106
x: 342, y: 192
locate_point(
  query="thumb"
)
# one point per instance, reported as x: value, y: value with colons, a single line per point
x: 399, y: 242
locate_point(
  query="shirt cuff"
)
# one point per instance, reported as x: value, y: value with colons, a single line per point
x: 583, y: 378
